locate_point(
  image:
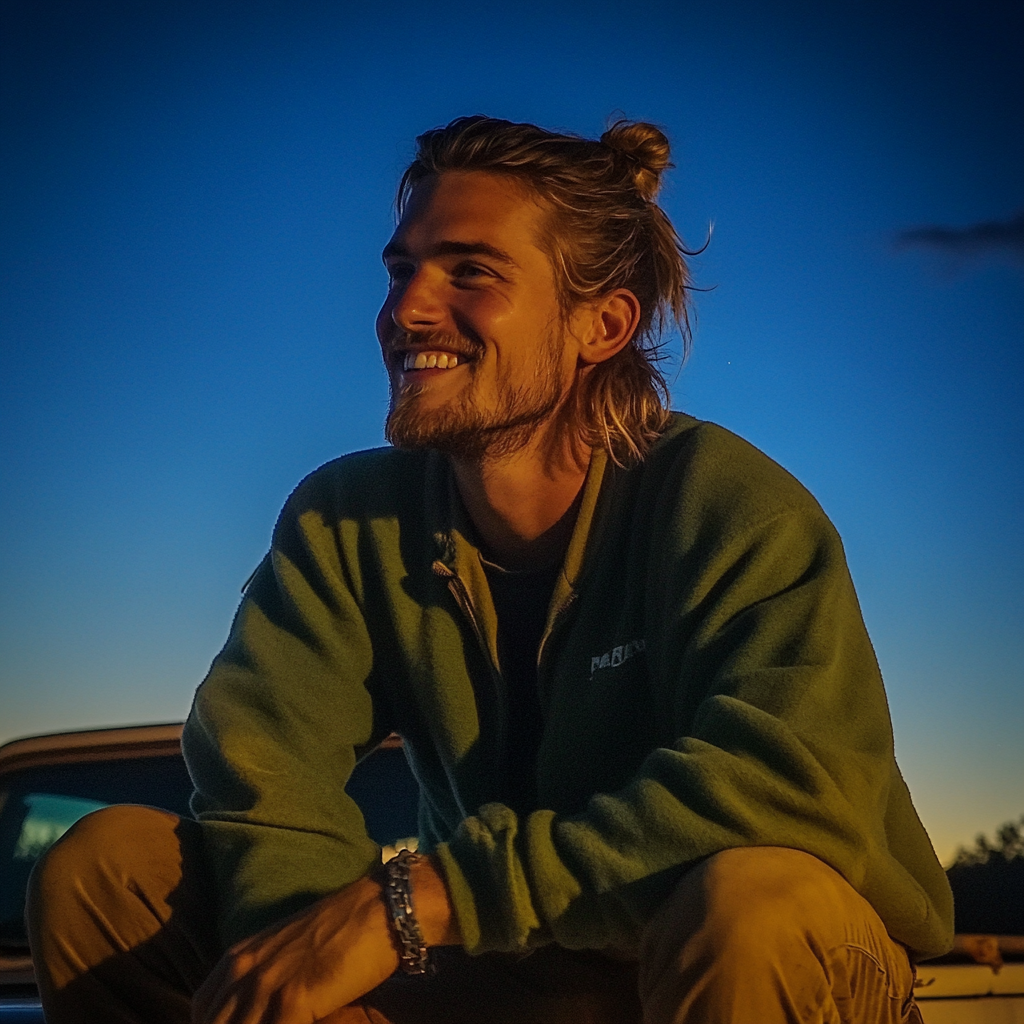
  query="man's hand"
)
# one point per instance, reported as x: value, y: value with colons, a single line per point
x: 322, y: 958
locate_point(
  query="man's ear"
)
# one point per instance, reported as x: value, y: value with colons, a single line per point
x: 609, y: 324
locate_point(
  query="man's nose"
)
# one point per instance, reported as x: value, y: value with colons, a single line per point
x: 419, y: 305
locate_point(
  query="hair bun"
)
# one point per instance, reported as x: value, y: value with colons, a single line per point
x: 649, y: 149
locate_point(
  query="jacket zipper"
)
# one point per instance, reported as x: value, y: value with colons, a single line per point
x: 545, y: 643
x: 458, y: 590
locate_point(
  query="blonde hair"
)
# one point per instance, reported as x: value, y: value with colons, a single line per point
x: 606, y: 231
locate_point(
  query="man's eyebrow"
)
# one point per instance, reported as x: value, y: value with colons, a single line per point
x: 396, y: 250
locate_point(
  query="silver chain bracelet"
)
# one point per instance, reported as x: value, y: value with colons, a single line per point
x: 414, y: 956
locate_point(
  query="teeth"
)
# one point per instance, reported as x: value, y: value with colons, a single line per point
x: 430, y: 360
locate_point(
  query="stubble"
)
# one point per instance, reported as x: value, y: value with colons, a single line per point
x: 464, y: 427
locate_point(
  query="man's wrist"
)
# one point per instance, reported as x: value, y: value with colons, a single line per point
x: 412, y: 949
x: 434, y: 912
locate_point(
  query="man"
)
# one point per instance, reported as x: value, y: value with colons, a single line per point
x: 622, y: 647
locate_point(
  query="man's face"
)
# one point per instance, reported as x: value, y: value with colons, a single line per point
x: 471, y: 330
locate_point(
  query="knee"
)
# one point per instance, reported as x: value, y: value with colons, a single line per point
x: 108, y: 846
x: 766, y: 888
x: 748, y: 899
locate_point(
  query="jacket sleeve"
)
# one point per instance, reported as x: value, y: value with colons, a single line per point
x: 267, y: 772
x: 782, y: 738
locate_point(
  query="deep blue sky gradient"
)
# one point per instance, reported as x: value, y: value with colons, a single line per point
x: 194, y: 198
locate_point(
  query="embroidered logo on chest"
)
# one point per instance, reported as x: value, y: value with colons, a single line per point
x: 617, y: 656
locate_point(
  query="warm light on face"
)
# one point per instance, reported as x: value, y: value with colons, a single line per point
x: 471, y: 330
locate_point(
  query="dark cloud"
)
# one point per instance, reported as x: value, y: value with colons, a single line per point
x: 994, y: 237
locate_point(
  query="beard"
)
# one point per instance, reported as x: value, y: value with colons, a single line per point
x: 464, y: 427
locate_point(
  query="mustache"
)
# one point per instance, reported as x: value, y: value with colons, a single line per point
x: 449, y: 341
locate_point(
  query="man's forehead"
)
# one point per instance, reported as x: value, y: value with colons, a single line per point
x: 468, y: 208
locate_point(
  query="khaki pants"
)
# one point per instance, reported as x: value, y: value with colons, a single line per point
x: 122, y: 930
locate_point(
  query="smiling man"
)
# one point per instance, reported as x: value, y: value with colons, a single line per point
x: 621, y: 645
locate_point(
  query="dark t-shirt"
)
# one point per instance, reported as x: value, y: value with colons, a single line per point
x: 521, y: 600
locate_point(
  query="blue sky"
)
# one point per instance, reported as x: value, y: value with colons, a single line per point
x: 194, y: 198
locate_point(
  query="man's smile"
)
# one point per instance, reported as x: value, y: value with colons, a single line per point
x: 431, y: 357
x: 426, y: 364
x: 429, y: 360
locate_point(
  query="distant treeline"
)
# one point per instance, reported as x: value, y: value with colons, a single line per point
x: 988, y: 883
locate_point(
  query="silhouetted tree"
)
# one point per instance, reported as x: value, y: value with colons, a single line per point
x: 988, y: 883
x: 1009, y: 843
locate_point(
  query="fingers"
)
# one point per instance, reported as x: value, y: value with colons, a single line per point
x: 232, y: 993
x: 305, y: 967
x: 212, y: 996
x: 243, y: 1000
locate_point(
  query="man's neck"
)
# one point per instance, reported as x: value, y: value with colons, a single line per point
x: 523, y: 506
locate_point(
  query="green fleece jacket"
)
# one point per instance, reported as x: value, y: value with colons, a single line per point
x: 705, y: 677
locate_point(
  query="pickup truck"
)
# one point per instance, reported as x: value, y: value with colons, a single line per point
x: 48, y: 782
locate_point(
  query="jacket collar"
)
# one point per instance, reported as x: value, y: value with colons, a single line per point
x: 454, y: 535
x: 455, y: 547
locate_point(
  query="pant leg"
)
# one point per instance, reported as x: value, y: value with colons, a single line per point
x: 122, y: 932
x: 765, y: 935
x: 751, y: 936
x: 121, y: 919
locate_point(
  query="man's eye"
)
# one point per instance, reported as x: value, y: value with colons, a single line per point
x: 468, y: 271
x: 399, y: 272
